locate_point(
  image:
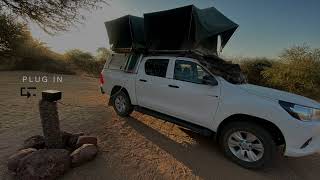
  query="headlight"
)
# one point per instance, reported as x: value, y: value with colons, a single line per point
x: 302, y: 113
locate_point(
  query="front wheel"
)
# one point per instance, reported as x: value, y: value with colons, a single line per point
x: 247, y: 144
x: 122, y: 104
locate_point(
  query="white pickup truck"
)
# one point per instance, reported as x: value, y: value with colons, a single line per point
x: 249, y: 122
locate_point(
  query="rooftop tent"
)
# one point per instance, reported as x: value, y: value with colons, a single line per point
x: 126, y: 32
x: 188, y: 28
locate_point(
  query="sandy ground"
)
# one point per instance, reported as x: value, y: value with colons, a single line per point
x: 138, y: 147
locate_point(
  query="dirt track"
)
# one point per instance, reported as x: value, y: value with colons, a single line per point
x: 139, y: 147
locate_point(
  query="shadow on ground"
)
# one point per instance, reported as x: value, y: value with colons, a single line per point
x: 206, y: 160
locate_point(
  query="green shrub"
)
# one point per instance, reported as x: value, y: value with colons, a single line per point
x: 85, y: 61
x: 297, y: 71
x: 253, y: 69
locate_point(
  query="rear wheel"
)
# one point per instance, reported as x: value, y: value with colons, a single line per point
x: 122, y: 104
x: 247, y: 144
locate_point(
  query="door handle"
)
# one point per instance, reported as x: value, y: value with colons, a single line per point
x: 142, y: 80
x: 173, y: 86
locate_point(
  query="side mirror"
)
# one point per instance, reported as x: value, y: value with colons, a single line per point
x: 209, y: 80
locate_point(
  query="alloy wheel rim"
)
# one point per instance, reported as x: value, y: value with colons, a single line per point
x: 245, y: 146
x: 120, y: 103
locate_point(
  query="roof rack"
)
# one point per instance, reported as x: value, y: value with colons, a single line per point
x: 183, y: 53
x: 178, y: 53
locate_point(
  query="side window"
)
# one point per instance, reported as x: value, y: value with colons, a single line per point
x: 118, y: 61
x: 156, y: 67
x: 189, y: 71
x: 132, y: 62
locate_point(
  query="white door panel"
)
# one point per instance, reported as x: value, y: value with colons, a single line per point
x: 152, y: 90
x: 190, y: 99
x: 152, y: 93
x: 195, y: 103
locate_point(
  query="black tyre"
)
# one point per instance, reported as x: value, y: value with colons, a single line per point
x: 122, y: 104
x: 247, y: 144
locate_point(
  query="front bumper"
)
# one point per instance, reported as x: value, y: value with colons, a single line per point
x: 302, y: 139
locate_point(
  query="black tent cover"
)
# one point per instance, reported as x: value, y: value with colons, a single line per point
x: 126, y: 32
x: 186, y: 28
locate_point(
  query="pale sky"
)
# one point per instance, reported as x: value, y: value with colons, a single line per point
x: 266, y: 27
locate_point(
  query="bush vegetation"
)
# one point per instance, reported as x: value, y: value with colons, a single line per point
x: 253, y: 68
x: 20, y: 51
x: 86, y: 62
x: 297, y: 70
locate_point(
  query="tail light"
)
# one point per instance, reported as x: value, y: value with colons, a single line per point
x: 101, y: 79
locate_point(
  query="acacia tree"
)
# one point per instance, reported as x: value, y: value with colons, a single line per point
x: 11, y: 33
x: 51, y: 15
x: 103, y: 54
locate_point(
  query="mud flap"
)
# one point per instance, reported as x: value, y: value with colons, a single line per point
x: 110, y: 102
x: 101, y: 90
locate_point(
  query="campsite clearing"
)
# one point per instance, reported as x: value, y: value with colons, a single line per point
x: 138, y: 147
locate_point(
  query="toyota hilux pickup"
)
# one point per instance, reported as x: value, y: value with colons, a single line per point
x: 249, y: 122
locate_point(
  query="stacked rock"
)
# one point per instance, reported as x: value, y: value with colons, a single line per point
x: 36, y: 161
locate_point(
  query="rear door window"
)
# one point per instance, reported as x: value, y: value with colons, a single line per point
x: 118, y: 61
x: 133, y: 62
x: 156, y: 67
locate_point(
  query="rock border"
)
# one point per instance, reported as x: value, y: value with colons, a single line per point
x: 36, y: 161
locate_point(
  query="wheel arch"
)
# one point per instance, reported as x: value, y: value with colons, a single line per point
x: 270, y: 127
x: 117, y: 89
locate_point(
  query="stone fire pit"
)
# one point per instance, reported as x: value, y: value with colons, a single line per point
x: 36, y: 161
x: 51, y: 155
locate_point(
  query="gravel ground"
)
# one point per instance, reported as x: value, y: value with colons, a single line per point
x: 138, y: 147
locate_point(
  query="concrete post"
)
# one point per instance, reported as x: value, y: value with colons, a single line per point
x: 50, y: 118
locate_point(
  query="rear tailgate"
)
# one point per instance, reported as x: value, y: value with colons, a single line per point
x: 119, y: 70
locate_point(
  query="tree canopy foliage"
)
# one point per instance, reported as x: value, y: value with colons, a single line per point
x: 20, y: 51
x: 51, y: 15
x: 11, y: 33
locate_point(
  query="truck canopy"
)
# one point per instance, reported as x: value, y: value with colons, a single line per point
x: 182, y: 29
x: 126, y: 32
x: 188, y: 28
x: 187, y: 31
